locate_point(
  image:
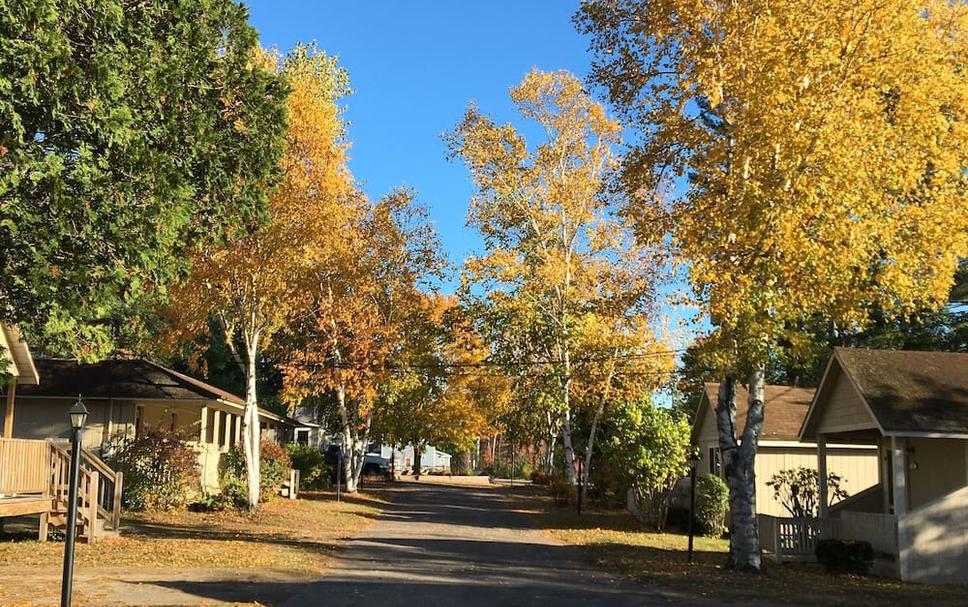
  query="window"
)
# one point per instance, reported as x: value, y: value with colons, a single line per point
x: 715, y: 462
x: 302, y: 436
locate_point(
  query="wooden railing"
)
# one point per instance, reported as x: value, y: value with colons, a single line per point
x: 99, y: 492
x: 109, y: 488
x: 23, y: 466
x: 880, y: 530
x: 42, y: 468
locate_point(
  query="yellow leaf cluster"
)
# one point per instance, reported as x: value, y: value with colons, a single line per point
x: 825, y: 145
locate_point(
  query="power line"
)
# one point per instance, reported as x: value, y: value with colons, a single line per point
x: 485, y: 364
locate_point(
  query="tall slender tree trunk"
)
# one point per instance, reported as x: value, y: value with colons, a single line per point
x: 417, y: 455
x: 587, y: 464
x: 566, y: 417
x: 593, y: 431
x: 569, y: 448
x: 251, y: 435
x: 250, y: 426
x: 739, y: 459
x: 550, y: 442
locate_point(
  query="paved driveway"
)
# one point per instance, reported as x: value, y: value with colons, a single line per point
x: 463, y: 547
x: 438, y: 546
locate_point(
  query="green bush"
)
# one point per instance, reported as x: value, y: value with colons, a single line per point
x: 311, y: 463
x: 712, y: 502
x: 160, y: 470
x: 274, y: 465
x: 845, y: 556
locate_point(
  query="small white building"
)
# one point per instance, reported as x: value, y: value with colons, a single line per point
x: 912, y: 407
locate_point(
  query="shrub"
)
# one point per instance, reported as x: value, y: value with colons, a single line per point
x: 712, y: 502
x: 845, y: 556
x: 311, y: 463
x: 160, y: 470
x: 274, y: 465
x: 561, y: 490
x: 540, y: 477
x: 646, y: 447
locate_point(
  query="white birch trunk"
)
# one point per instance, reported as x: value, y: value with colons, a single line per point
x: 739, y: 458
x: 569, y: 449
x: 250, y: 427
x: 593, y: 431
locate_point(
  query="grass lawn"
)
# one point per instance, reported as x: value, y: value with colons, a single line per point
x: 616, y: 542
x: 290, y: 538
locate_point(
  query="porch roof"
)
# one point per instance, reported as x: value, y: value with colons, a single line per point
x: 127, y: 379
x: 908, y: 393
x: 15, y: 350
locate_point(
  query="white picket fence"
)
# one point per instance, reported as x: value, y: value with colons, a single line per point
x: 795, y: 539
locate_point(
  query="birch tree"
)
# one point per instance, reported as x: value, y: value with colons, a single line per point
x: 804, y: 160
x: 252, y: 285
x: 556, y: 252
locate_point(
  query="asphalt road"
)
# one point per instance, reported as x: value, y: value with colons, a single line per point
x: 464, y: 547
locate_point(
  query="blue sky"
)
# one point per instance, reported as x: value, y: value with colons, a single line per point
x: 415, y: 66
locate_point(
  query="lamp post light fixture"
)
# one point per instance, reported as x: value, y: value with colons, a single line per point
x: 693, y: 463
x: 78, y: 415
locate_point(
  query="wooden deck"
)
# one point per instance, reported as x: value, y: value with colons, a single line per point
x: 34, y: 479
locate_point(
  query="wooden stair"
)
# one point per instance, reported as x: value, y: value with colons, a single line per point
x: 98, y: 496
x: 34, y: 477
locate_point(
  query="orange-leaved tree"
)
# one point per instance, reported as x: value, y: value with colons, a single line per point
x: 433, y: 392
x: 344, y: 339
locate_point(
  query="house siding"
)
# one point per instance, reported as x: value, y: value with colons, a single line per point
x: 845, y: 409
x: 857, y: 467
x: 936, y: 467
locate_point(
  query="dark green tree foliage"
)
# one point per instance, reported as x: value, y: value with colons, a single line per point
x: 129, y: 131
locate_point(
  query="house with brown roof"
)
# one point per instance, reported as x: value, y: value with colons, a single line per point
x: 913, y: 408
x: 780, y: 447
x: 125, y: 396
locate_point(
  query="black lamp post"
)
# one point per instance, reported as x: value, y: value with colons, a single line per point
x: 693, y: 462
x: 78, y: 415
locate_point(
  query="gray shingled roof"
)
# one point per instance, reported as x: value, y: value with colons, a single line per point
x: 911, y: 391
x: 120, y: 379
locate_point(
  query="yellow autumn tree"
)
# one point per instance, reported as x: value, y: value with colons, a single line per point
x: 434, y: 393
x: 804, y: 160
x: 251, y: 286
x: 559, y: 262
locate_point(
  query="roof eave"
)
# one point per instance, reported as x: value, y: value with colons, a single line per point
x: 19, y: 354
